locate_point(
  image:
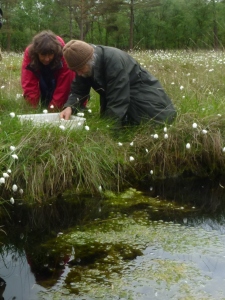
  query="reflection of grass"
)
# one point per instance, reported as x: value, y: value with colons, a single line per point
x: 104, y: 264
x: 51, y: 161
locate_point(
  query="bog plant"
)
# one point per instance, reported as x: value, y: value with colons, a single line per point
x: 38, y: 163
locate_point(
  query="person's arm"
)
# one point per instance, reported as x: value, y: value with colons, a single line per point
x: 80, y: 92
x: 29, y: 82
x: 64, y: 78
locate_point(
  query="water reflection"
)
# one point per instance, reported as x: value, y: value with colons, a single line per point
x: 25, y: 265
x: 28, y: 266
x: 205, y: 193
x: 17, y: 281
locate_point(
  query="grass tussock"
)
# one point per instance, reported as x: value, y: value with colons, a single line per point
x: 51, y: 161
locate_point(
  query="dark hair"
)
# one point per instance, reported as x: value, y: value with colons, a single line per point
x: 45, y: 42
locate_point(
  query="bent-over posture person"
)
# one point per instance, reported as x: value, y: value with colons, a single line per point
x: 128, y: 93
x: 45, y: 76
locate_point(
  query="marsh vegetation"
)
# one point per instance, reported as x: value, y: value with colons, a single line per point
x: 67, y: 218
x: 44, y: 162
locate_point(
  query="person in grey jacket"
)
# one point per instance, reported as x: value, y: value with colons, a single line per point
x: 128, y: 93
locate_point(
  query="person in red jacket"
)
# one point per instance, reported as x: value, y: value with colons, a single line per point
x: 45, y: 77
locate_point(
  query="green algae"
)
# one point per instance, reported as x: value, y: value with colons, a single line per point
x: 129, y: 256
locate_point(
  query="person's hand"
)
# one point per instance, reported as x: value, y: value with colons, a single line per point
x: 66, y: 113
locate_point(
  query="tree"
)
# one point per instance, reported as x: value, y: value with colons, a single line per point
x: 81, y: 11
x: 133, y: 7
x: 1, y: 16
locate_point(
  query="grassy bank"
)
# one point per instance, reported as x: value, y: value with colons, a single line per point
x: 47, y: 161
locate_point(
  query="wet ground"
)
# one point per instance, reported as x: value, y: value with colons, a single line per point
x: 164, y: 240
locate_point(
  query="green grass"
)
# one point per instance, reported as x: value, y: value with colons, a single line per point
x: 51, y: 161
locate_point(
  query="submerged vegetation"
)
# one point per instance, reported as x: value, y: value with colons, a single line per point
x: 40, y: 162
x: 131, y: 246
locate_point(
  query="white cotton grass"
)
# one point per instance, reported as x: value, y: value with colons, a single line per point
x: 155, y: 136
x: 2, y: 180
x: 131, y: 158
x: 12, y: 201
x: 21, y: 191
x: 5, y: 175
x: 52, y: 106
x: 132, y: 144
x: 120, y: 144
x: 12, y: 114
x: 165, y: 129
x: 204, y: 131
x: 45, y: 111
x: 80, y: 114
x: 90, y: 111
x: 12, y: 148
x: 166, y: 136
x: 188, y: 146
x: 86, y: 128
x: 151, y: 172
x: 194, y: 125
x: 14, y: 156
x: 14, y: 188
x: 223, y: 149
x: 100, y: 188
x: 62, y: 127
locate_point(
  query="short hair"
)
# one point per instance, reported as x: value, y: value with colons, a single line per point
x: 45, y: 42
x: 91, y: 62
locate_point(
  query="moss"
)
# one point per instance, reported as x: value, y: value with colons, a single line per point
x: 129, y: 255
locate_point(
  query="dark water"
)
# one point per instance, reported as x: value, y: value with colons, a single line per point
x: 28, y: 265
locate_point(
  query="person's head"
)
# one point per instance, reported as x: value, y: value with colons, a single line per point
x: 79, y: 57
x: 45, y: 49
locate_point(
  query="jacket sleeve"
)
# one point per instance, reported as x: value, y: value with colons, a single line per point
x: 118, y: 88
x: 64, y: 78
x: 80, y: 93
x: 29, y: 82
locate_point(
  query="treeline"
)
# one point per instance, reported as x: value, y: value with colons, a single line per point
x: 126, y: 24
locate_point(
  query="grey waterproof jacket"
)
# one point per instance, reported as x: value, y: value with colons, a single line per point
x: 128, y: 93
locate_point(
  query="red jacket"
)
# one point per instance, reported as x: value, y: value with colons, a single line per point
x: 30, y: 82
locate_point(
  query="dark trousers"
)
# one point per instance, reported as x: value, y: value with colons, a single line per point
x: 47, y: 89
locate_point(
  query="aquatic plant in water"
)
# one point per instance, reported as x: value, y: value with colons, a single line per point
x: 129, y: 256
